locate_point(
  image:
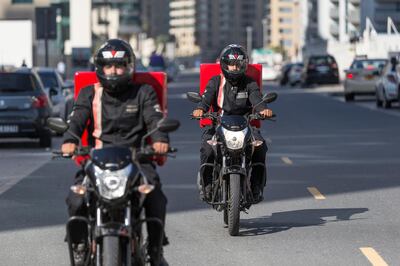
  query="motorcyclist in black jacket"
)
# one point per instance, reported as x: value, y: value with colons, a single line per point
x: 233, y: 93
x: 120, y: 113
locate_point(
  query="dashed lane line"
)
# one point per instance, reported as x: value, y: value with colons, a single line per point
x: 286, y: 160
x: 373, y: 256
x: 315, y: 192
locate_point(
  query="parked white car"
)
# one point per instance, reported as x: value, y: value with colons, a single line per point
x: 269, y: 72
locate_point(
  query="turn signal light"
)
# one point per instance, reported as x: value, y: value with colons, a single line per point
x: 145, y: 188
x: 257, y: 143
x: 78, y: 189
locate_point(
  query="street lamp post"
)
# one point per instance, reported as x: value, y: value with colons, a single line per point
x: 249, y: 32
x: 265, y: 32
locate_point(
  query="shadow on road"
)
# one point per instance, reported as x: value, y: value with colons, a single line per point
x: 282, y: 221
x: 18, y: 144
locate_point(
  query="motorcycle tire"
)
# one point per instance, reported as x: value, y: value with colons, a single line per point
x: 234, y: 205
x: 111, y: 252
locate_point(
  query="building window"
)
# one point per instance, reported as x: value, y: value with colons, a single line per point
x: 286, y: 43
x: 285, y: 20
x: 285, y: 9
x: 285, y: 30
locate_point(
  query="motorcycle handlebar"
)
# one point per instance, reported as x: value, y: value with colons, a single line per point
x: 81, y: 151
x: 214, y: 116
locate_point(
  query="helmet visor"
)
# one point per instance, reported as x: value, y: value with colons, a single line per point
x: 234, y: 65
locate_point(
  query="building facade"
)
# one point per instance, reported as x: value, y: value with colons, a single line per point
x: 182, y: 25
x: 219, y: 23
x: 378, y: 12
x: 285, y: 26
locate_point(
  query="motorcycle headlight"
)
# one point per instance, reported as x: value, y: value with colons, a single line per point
x: 234, y: 139
x: 112, y: 184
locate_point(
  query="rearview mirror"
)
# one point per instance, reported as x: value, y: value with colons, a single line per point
x: 168, y: 125
x: 270, y: 97
x: 193, y: 97
x: 57, y: 124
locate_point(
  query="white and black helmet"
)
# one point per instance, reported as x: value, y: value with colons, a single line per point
x: 115, y: 51
x: 234, y: 54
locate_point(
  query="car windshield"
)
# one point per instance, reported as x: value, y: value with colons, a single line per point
x: 17, y: 82
x: 321, y: 60
x: 49, y: 79
x: 368, y: 64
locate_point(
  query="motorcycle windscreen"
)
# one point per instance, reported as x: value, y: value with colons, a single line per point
x: 112, y: 157
x: 234, y: 122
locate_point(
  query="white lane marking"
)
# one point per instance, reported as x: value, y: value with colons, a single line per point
x: 15, y: 172
x: 286, y: 160
x: 177, y: 96
x: 373, y: 256
x: 371, y: 106
x: 315, y: 192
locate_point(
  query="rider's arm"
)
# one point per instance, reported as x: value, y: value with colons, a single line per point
x: 80, y: 115
x: 209, y: 94
x: 255, y: 96
x: 152, y: 113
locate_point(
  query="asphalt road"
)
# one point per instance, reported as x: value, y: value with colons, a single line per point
x: 331, y: 195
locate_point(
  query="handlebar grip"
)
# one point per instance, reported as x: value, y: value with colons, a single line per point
x: 170, y: 149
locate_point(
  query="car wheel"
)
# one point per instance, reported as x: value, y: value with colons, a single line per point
x: 386, y: 104
x: 398, y: 95
x: 378, y: 102
x: 349, y: 97
x: 45, y: 140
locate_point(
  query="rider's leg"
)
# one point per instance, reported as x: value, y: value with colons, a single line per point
x: 76, y: 207
x: 206, y: 156
x: 77, y: 230
x: 258, y: 171
x: 155, y: 207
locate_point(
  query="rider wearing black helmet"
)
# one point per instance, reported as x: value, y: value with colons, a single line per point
x: 120, y: 112
x: 233, y: 93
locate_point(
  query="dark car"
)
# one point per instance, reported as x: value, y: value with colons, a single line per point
x: 283, y: 77
x: 320, y: 69
x: 24, y: 106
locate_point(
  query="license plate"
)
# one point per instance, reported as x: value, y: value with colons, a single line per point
x: 369, y: 77
x: 9, y: 129
x: 322, y: 69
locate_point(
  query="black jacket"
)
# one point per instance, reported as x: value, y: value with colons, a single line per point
x: 239, y: 99
x: 120, y: 119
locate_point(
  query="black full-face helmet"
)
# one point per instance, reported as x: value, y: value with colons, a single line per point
x: 234, y: 55
x: 118, y: 52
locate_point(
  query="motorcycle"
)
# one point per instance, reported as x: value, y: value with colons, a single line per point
x: 114, y: 190
x: 233, y: 145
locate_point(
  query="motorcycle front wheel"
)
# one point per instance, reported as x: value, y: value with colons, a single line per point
x: 234, y: 204
x: 111, y: 251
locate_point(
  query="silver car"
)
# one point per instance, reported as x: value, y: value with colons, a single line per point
x: 362, y: 76
x: 388, y: 86
x: 55, y: 89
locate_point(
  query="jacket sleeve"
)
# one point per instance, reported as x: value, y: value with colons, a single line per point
x: 152, y: 114
x: 255, y: 96
x: 209, y: 94
x: 79, y: 116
